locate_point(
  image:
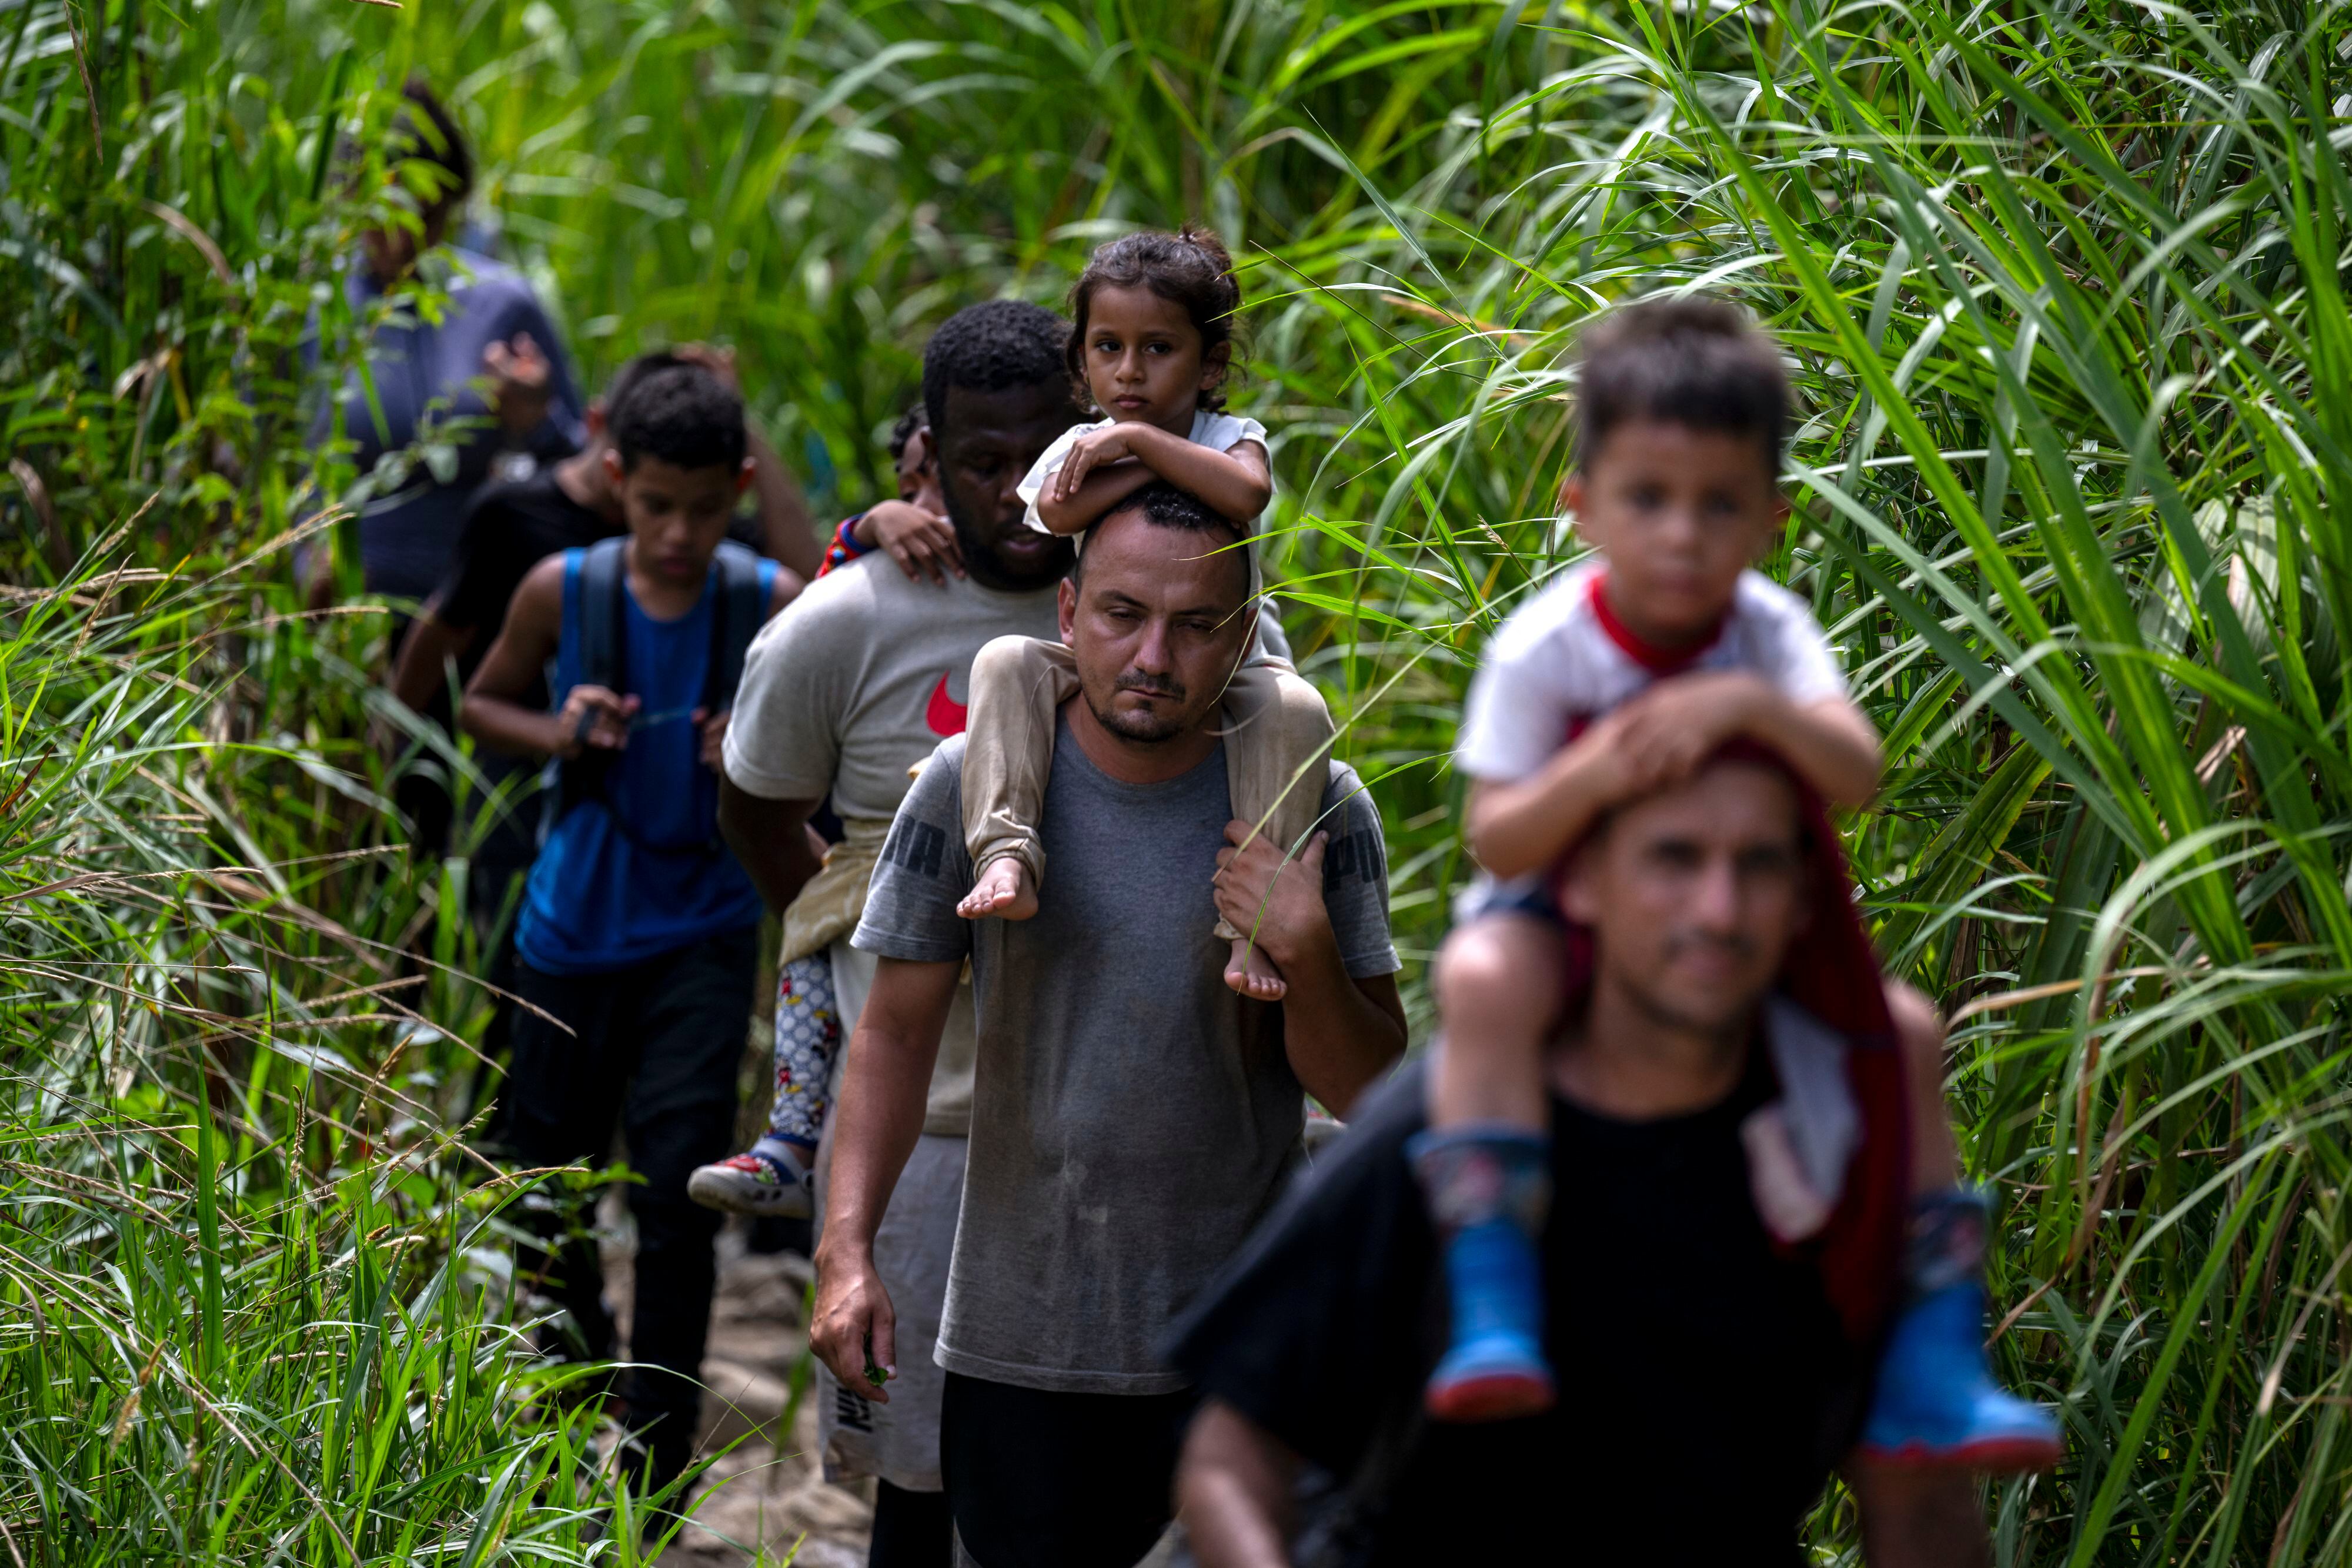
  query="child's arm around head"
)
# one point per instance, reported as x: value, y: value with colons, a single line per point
x: 1105, y: 466
x: 592, y: 716
x: 1670, y: 729
x: 1524, y: 825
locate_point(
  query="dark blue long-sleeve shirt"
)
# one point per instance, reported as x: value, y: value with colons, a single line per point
x: 408, y: 533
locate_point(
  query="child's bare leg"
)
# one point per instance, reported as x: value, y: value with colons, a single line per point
x: 1018, y: 685
x: 1935, y: 1155
x: 1275, y: 730
x: 1498, y: 983
x: 1253, y: 974
x: 1003, y: 890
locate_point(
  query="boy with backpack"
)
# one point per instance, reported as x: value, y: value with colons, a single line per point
x: 637, y: 938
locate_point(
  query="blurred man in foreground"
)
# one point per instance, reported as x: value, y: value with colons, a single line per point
x: 1719, y: 1375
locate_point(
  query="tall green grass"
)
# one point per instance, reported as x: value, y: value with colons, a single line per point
x: 2063, y: 283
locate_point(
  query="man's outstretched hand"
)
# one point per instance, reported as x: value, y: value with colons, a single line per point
x: 855, y: 1327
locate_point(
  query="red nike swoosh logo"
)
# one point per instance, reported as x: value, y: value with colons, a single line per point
x: 945, y: 715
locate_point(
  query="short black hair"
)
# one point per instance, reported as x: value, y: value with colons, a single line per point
x: 1164, y: 506
x: 1694, y: 361
x: 682, y: 416
x: 426, y: 132
x: 917, y: 417
x: 632, y: 375
x: 991, y: 346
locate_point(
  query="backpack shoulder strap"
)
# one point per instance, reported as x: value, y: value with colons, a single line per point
x: 741, y: 608
x: 602, y: 605
x: 602, y: 575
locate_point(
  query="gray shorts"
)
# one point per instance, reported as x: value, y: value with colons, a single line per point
x: 899, y: 1442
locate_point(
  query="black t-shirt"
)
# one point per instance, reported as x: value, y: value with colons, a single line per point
x: 1707, y: 1388
x: 509, y: 529
x: 512, y: 527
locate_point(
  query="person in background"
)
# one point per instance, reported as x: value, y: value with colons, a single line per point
x: 639, y: 938
x: 513, y: 525
x: 845, y: 691
x: 425, y: 373
x: 914, y: 528
x: 775, y: 1178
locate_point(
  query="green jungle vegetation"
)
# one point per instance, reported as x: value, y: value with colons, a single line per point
x: 2064, y: 280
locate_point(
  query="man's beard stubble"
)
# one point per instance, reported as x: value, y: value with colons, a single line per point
x: 1667, y: 1009
x: 988, y: 568
x: 1146, y: 727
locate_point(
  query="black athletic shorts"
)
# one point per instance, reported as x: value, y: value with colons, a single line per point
x: 1039, y: 1479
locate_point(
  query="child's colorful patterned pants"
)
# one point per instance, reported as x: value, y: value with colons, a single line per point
x: 808, y: 1037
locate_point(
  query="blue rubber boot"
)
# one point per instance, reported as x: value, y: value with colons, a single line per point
x: 1937, y: 1407
x: 1489, y: 1188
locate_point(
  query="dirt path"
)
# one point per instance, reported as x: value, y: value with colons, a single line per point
x: 760, y: 1496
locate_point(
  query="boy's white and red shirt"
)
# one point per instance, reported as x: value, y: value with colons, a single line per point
x: 1565, y: 659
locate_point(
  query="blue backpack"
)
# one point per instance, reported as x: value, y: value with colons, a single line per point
x: 735, y: 619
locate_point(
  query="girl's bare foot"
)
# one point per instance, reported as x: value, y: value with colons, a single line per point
x: 1253, y: 974
x: 1001, y: 893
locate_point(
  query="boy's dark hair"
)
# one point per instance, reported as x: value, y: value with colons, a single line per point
x: 1166, y: 507
x: 916, y: 418
x: 1190, y: 267
x: 425, y: 132
x: 682, y: 416
x: 1694, y: 361
x: 631, y: 376
x: 988, y: 347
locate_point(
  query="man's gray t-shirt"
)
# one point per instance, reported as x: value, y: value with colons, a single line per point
x: 1132, y: 1118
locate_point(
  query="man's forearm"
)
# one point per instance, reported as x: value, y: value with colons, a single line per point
x: 885, y: 1081
x: 1338, y: 1040
x: 771, y: 840
x: 425, y: 654
x: 1233, y: 1491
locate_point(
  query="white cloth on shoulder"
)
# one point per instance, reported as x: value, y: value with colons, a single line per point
x: 1800, y: 1145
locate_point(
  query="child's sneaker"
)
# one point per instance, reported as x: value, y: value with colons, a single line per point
x: 1489, y: 1190
x: 769, y: 1181
x: 1937, y: 1406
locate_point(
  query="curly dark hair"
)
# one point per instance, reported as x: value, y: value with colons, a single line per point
x: 917, y: 417
x: 681, y: 414
x: 1190, y: 267
x: 1694, y: 361
x: 988, y: 347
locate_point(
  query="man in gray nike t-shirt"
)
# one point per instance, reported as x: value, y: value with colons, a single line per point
x: 1131, y: 1117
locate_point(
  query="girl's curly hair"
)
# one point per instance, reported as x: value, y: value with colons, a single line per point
x: 1190, y: 266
